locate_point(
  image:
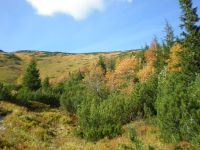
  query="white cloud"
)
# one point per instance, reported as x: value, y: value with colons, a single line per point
x: 79, y: 9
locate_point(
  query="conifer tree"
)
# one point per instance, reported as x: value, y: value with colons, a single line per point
x: 45, y: 83
x: 169, y: 37
x: 190, y: 56
x: 31, y: 78
x: 189, y: 16
x: 102, y: 64
x: 177, y: 108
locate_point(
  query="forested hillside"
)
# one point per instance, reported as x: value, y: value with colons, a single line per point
x: 143, y: 100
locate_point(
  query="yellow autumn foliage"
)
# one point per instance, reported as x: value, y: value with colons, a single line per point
x: 174, y: 59
x: 126, y: 67
x: 145, y: 72
x: 123, y: 75
x: 150, y: 53
x: 150, y: 57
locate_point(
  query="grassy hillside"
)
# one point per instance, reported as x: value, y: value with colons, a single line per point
x: 47, y: 128
x: 56, y: 65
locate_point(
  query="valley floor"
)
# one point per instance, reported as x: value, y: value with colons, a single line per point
x: 46, y: 128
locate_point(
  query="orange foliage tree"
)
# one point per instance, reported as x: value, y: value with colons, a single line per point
x: 145, y: 72
x: 150, y: 57
x: 95, y: 78
x: 150, y: 53
x: 124, y: 75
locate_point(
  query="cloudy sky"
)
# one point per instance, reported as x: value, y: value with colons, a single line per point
x: 84, y: 25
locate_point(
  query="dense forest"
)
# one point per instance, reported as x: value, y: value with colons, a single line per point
x: 159, y: 83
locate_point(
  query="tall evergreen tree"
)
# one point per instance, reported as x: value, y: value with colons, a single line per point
x: 31, y: 78
x: 169, y: 37
x: 177, y: 108
x: 189, y: 16
x: 163, y: 50
x: 190, y: 55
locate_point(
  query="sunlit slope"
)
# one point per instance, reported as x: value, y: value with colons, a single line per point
x: 54, y: 65
x: 10, y: 67
x: 46, y: 128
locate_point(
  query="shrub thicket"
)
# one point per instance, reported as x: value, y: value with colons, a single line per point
x: 74, y: 93
x: 4, y: 92
x: 98, y: 118
x: 171, y: 102
x: 144, y: 97
x: 24, y: 96
x: 95, y: 123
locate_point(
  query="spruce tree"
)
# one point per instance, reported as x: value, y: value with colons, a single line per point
x: 189, y: 16
x: 169, y: 37
x: 177, y: 108
x: 31, y: 78
x: 45, y: 83
x: 163, y: 50
x: 190, y: 55
x: 102, y: 64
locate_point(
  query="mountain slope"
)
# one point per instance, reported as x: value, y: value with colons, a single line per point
x: 56, y: 65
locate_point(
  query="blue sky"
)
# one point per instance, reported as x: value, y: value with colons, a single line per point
x: 84, y: 25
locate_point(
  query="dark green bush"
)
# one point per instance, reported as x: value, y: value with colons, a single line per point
x: 98, y: 119
x: 24, y: 96
x: 73, y: 95
x: 117, y: 108
x: 179, y: 108
x: 47, y: 97
x: 144, y: 97
x: 5, y: 94
x: 192, y: 118
x: 74, y: 91
x: 93, y: 124
x: 171, y: 101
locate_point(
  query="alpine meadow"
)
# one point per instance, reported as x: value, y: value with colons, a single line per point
x: 143, y: 98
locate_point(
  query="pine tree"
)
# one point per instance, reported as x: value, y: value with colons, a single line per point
x: 171, y: 97
x: 169, y: 37
x: 45, y: 83
x: 189, y: 16
x: 102, y: 64
x: 190, y: 56
x: 176, y: 108
x: 31, y: 78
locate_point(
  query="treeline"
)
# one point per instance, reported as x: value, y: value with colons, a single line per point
x: 161, y: 81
